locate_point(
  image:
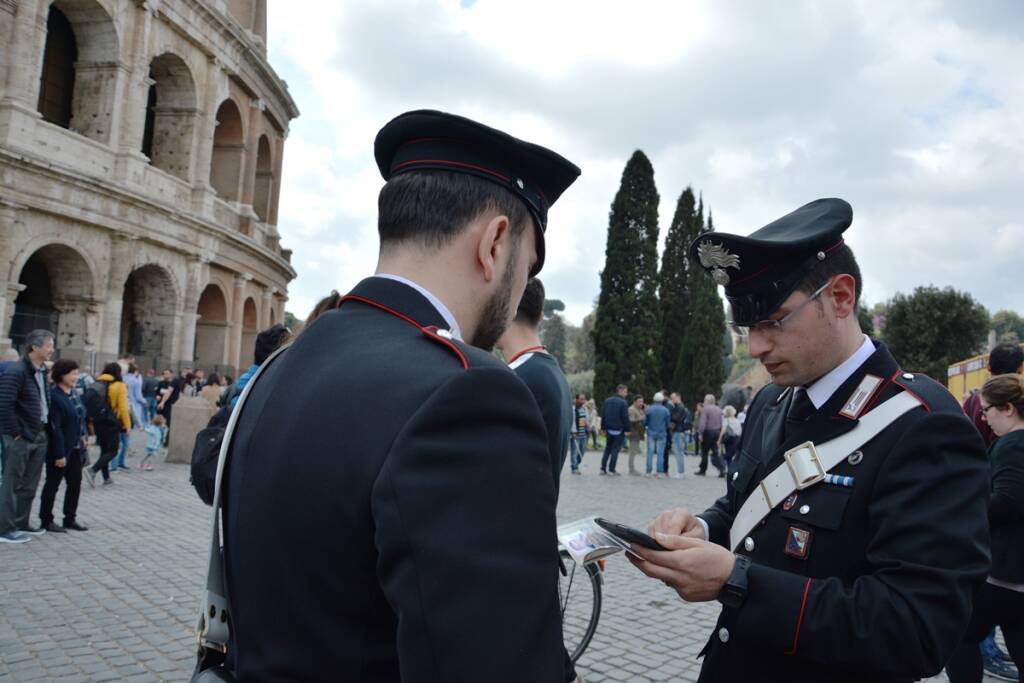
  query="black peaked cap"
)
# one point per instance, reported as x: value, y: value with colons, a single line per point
x: 428, y: 139
x: 760, y: 271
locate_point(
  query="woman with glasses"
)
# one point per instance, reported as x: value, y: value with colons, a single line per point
x: 1001, y: 599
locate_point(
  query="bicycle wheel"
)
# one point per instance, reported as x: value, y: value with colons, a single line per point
x: 579, y: 597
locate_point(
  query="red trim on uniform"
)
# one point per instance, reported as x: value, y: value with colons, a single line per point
x: 800, y: 620
x: 448, y: 162
x: 528, y: 349
x: 914, y: 394
x: 428, y: 331
x: 432, y: 333
x: 878, y: 393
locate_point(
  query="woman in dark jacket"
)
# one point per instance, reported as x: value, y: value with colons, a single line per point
x: 1000, y: 602
x: 66, y: 450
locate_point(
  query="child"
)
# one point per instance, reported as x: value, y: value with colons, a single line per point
x: 154, y: 439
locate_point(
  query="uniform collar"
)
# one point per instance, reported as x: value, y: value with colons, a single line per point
x: 438, y: 305
x: 823, y: 389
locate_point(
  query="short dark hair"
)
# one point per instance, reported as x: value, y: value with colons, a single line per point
x: 839, y: 262
x: 61, y: 367
x: 531, y: 306
x: 328, y: 303
x: 1005, y: 358
x: 213, y: 379
x: 432, y: 207
x: 114, y: 370
x: 268, y: 341
x: 620, y: 387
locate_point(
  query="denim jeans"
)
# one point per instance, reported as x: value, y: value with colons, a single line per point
x: 118, y: 461
x: 679, y: 445
x: 150, y: 409
x: 655, y: 447
x: 611, y: 451
x: 579, y: 447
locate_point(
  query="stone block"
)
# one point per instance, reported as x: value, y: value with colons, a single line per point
x: 191, y: 414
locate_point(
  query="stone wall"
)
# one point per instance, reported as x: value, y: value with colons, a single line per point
x: 114, y: 227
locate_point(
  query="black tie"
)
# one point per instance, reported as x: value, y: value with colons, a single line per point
x: 800, y: 409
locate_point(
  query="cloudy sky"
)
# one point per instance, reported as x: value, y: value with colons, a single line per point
x: 912, y: 111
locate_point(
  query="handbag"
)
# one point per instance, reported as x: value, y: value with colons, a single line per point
x: 213, y: 630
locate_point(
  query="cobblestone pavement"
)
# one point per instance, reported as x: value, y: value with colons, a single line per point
x: 117, y: 603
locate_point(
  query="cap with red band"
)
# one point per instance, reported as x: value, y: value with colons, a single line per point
x: 434, y: 140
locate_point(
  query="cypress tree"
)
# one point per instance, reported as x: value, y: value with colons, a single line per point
x: 626, y: 328
x: 672, y: 294
x: 701, y: 370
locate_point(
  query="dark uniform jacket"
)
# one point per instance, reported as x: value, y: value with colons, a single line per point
x: 884, y: 591
x: 390, y: 513
x: 545, y: 380
x: 615, y: 414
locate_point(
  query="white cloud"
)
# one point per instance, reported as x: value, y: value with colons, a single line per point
x: 912, y: 111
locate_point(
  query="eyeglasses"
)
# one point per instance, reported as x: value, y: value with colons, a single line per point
x: 769, y: 326
x: 985, y: 409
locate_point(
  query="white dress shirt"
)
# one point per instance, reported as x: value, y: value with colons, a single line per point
x: 453, y: 325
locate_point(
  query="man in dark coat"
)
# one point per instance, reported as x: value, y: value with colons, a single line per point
x: 390, y: 513
x: 855, y: 560
x: 615, y: 425
x: 24, y: 413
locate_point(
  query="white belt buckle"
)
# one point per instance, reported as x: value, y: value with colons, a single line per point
x: 804, y: 465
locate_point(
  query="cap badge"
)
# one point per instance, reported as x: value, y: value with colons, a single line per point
x: 717, y: 258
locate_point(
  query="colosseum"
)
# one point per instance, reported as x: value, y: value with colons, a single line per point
x: 140, y: 168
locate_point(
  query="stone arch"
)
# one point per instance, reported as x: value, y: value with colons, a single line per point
x: 228, y: 151
x: 56, y: 285
x: 250, y: 328
x: 264, y: 190
x: 79, y: 72
x: 148, y: 315
x: 171, y: 115
x: 211, y: 327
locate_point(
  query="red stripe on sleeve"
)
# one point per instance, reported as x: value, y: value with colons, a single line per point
x: 800, y: 620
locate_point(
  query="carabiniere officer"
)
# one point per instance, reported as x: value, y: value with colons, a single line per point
x: 855, y: 530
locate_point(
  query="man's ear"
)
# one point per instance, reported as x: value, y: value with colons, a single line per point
x: 844, y: 295
x: 491, y: 241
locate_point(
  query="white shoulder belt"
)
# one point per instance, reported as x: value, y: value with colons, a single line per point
x: 808, y: 463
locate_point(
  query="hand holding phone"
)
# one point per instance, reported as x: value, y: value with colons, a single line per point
x: 629, y: 534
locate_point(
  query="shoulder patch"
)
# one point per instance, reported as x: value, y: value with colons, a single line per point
x: 930, y: 393
x: 444, y: 338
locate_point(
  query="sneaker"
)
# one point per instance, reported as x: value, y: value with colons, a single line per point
x: 613, y: 474
x: 75, y: 526
x: 647, y: 474
x: 996, y: 667
x: 90, y: 476
x: 603, y: 473
x: 55, y: 528
x: 14, y: 537
x: 149, y: 468
x: 680, y: 475
x: 108, y: 482
x: 33, y: 531
x: 123, y: 468
x: 574, y: 471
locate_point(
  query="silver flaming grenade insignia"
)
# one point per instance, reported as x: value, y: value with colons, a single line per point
x: 717, y: 258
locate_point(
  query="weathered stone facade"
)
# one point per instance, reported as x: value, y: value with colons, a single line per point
x: 140, y: 161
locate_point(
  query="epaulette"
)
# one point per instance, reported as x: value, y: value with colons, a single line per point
x: 926, y: 390
x: 445, y: 338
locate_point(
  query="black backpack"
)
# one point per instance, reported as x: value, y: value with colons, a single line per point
x: 205, y: 454
x: 97, y: 405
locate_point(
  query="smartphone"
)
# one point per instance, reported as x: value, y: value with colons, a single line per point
x: 629, y: 534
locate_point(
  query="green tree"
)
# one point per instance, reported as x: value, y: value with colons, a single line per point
x: 864, y: 317
x: 701, y: 368
x: 291, y: 322
x: 1009, y: 326
x: 626, y: 328
x: 552, y: 306
x: 672, y: 293
x: 933, y: 328
x: 553, y: 336
x: 581, y: 347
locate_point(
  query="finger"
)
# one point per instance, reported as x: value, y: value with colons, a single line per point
x: 678, y: 542
x: 655, y: 571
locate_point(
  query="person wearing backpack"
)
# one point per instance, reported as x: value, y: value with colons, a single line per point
x: 106, y: 406
x: 729, y: 437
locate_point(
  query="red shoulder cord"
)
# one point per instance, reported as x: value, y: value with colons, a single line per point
x: 429, y: 331
x: 529, y: 349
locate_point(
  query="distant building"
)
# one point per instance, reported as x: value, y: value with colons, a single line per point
x: 140, y: 166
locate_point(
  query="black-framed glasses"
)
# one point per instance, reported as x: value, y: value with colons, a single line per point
x: 985, y: 409
x: 769, y: 326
